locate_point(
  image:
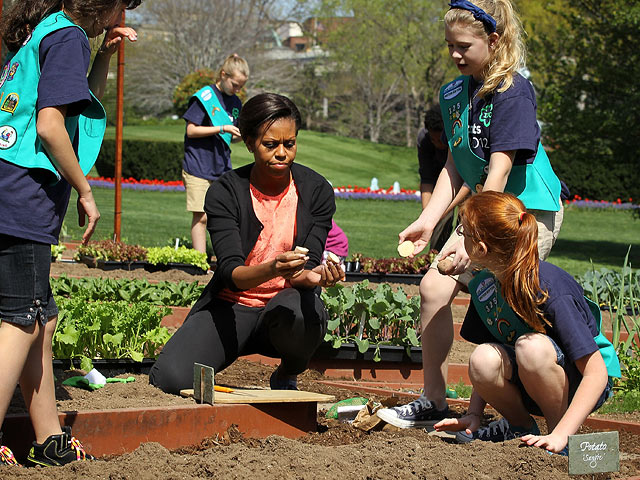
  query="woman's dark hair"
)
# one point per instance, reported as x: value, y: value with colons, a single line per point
x: 262, y: 109
x: 25, y: 15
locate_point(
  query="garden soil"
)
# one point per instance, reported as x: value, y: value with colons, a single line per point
x: 335, y: 450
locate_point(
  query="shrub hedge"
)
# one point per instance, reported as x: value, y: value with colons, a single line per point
x: 189, y: 85
x: 598, y: 179
x: 143, y: 159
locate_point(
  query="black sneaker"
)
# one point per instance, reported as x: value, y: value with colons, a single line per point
x: 418, y: 414
x: 279, y: 381
x: 57, y: 450
x: 496, y: 431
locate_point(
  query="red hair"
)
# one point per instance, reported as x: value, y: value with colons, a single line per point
x: 510, y: 234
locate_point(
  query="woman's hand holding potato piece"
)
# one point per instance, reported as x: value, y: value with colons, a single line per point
x: 302, y: 251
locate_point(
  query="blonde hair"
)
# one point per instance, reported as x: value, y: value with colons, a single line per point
x: 509, y: 53
x: 510, y: 233
x: 232, y: 65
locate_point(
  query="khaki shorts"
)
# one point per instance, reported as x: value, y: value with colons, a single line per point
x: 196, y: 188
x: 549, y: 224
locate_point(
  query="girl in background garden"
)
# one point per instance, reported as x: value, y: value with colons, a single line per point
x: 50, y: 136
x: 541, y: 349
x: 264, y: 295
x: 212, y: 119
x: 489, y: 115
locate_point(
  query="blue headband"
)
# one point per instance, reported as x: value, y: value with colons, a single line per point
x: 477, y: 12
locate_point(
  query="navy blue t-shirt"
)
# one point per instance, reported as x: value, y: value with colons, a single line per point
x: 504, y: 121
x: 430, y: 158
x: 573, y: 326
x: 30, y: 208
x: 209, y: 157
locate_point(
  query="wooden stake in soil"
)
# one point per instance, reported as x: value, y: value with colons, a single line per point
x: 203, y: 383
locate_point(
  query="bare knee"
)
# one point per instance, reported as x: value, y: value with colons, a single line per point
x: 535, y: 353
x: 487, y: 364
x: 437, y: 290
x: 48, y: 330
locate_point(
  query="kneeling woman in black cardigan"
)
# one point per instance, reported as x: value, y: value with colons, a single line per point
x: 264, y: 296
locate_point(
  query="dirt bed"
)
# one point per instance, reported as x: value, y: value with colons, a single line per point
x: 334, y: 451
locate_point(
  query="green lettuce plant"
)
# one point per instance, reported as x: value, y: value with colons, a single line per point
x: 178, y: 294
x: 182, y: 254
x: 56, y: 251
x: 109, y: 330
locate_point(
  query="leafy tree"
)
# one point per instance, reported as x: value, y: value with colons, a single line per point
x: 589, y: 95
x: 190, y: 84
x: 307, y: 93
x: 180, y: 37
x: 391, y: 55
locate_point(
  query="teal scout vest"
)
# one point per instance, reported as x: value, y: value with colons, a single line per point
x: 19, y: 142
x: 535, y: 184
x: 506, y: 326
x: 216, y: 112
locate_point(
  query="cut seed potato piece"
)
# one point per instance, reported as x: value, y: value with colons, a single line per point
x: 406, y: 248
x: 303, y: 251
x: 333, y: 257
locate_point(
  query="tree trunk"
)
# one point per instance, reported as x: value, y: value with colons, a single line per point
x: 374, y: 126
x: 408, y: 122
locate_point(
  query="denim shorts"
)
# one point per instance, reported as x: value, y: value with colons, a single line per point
x: 25, y: 292
x: 572, y: 372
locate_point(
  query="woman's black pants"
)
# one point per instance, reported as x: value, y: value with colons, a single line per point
x: 290, y: 327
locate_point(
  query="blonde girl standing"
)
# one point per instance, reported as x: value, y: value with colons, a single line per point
x: 493, y: 137
x: 212, y: 119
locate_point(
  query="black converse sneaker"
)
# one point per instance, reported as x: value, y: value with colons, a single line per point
x: 418, y: 414
x: 57, y: 450
x: 496, y: 431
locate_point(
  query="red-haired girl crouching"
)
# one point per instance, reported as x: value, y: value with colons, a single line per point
x: 540, y: 348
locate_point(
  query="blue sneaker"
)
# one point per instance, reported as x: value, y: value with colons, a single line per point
x: 417, y: 414
x: 496, y: 431
x: 563, y: 453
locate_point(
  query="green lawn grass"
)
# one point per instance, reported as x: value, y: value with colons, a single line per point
x: 341, y: 160
x: 153, y: 218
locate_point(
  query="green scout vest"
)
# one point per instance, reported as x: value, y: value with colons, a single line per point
x: 506, y: 326
x: 216, y: 112
x: 19, y: 142
x: 535, y: 184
